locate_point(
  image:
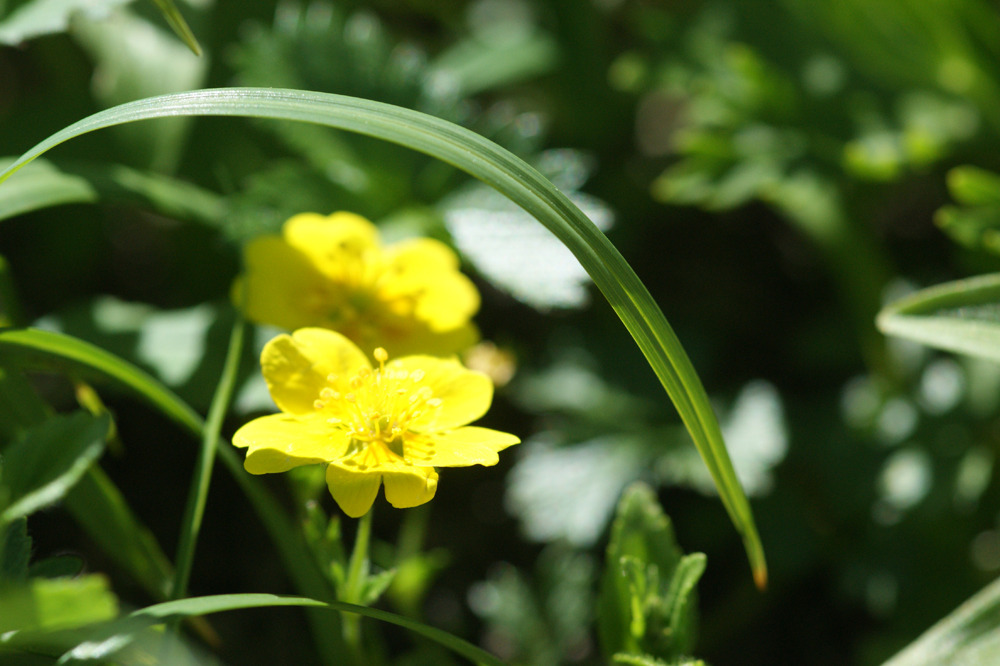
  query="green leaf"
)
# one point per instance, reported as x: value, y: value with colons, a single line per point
x: 177, y: 23
x: 647, y: 599
x: 60, y: 566
x: 375, y: 585
x: 55, y: 603
x: 514, y: 178
x: 973, y: 186
x: 42, y: 184
x: 969, y: 636
x: 961, y: 316
x: 41, y: 467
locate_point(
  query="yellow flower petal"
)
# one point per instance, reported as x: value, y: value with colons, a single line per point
x: 298, y: 367
x: 407, y: 486
x: 354, y: 491
x: 330, y: 240
x: 278, y: 442
x: 459, y: 448
x: 464, y: 395
x: 426, y: 270
x: 282, y: 285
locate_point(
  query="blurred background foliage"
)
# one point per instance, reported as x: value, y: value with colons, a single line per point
x: 774, y: 172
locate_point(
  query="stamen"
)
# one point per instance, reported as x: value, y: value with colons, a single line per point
x: 417, y: 375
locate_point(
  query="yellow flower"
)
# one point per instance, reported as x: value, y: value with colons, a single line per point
x: 392, y: 424
x: 332, y: 272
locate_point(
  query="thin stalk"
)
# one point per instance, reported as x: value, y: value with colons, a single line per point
x: 198, y: 493
x: 357, y: 569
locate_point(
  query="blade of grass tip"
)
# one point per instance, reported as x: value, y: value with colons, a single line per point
x: 202, y: 476
x: 517, y: 180
x: 177, y: 23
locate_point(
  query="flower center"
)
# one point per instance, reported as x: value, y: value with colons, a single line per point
x: 378, y: 409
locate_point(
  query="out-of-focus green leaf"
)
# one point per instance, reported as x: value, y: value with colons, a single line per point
x: 177, y: 23
x: 510, y: 175
x: 974, y: 223
x: 969, y: 636
x: 55, y: 603
x: 505, y: 46
x: 43, y: 465
x: 973, y: 186
x: 60, y: 566
x: 43, y: 184
x: 961, y: 316
x: 647, y: 602
x: 44, y: 17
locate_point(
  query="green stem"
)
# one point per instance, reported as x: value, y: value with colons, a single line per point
x: 198, y: 493
x: 357, y: 570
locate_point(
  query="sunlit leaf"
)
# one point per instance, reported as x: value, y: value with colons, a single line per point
x: 508, y: 174
x: 55, y: 603
x: 43, y: 465
x: 969, y: 636
x: 961, y: 316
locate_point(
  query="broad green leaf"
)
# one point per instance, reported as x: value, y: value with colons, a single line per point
x: 969, y: 636
x: 42, y: 184
x: 961, y: 316
x: 40, y: 467
x: 55, y: 603
x: 514, y: 178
